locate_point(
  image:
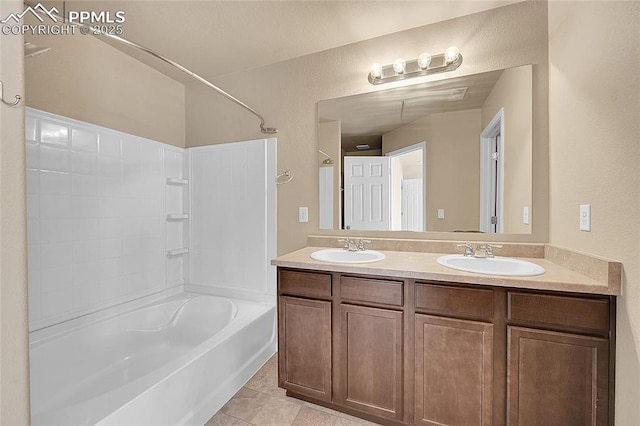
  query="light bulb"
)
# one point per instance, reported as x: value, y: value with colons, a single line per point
x: 424, y: 60
x: 376, y: 70
x: 399, y: 66
x: 451, y: 55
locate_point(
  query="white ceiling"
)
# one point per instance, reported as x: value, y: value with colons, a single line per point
x: 214, y: 38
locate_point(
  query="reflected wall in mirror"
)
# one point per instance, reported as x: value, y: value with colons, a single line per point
x: 451, y: 155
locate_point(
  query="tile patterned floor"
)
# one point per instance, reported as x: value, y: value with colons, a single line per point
x: 262, y: 403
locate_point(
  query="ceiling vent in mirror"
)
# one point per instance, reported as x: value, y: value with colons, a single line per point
x: 457, y: 94
x: 363, y: 147
x: 425, y: 64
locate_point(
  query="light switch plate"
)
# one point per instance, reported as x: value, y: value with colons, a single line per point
x: 303, y: 214
x: 585, y: 217
x: 525, y: 215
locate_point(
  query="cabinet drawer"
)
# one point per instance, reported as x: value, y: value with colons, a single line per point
x: 445, y: 299
x: 572, y: 312
x: 372, y: 290
x: 309, y: 284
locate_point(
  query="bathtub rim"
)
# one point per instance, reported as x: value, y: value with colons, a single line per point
x: 40, y: 336
x: 68, y: 326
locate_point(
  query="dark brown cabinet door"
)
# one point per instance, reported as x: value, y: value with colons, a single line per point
x: 454, y: 371
x: 371, y: 362
x: 556, y: 378
x: 305, y: 346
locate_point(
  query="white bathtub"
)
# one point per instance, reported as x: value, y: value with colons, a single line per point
x: 175, y: 361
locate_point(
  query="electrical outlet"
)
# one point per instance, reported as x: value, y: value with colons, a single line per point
x: 440, y: 213
x: 303, y: 214
x: 525, y: 215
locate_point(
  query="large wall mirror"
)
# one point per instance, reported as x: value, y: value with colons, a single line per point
x: 453, y: 155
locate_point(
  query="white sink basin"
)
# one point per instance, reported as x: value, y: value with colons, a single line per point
x: 335, y: 255
x: 503, y: 266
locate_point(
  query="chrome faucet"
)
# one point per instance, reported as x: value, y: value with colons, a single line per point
x: 468, y: 249
x: 361, y: 244
x: 353, y: 245
x: 349, y: 244
x: 481, y: 250
x: 486, y: 250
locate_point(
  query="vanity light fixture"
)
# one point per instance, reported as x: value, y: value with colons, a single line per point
x: 425, y: 64
x: 399, y: 66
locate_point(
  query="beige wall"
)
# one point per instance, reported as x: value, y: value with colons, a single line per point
x: 14, y: 362
x: 410, y: 134
x: 513, y: 93
x: 329, y: 141
x: 594, y: 78
x: 453, y: 167
x: 85, y: 79
x: 286, y: 94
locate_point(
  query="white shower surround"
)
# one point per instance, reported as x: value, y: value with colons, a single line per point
x: 116, y: 220
x: 233, y: 220
x: 97, y: 207
x: 95, y: 211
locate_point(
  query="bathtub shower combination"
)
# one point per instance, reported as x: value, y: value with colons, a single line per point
x: 127, y: 328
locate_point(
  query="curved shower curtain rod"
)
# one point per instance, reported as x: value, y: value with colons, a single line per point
x: 263, y: 129
x: 269, y: 130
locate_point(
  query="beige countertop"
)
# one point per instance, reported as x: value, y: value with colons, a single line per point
x: 424, y: 266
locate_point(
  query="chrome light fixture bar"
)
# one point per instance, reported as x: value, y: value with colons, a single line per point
x: 425, y: 64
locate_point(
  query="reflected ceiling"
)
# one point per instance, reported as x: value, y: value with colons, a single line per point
x: 365, y: 118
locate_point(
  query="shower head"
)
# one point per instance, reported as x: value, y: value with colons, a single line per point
x: 328, y: 160
x: 268, y: 130
x: 31, y: 50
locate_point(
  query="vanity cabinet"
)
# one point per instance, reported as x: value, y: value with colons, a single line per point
x: 454, y: 355
x: 304, y: 327
x: 454, y: 360
x: 341, y: 341
x: 370, y: 345
x: 556, y: 378
x: 371, y: 360
x: 407, y: 351
x: 559, y: 356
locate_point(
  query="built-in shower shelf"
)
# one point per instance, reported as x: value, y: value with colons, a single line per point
x: 177, y: 252
x: 178, y: 216
x: 177, y: 181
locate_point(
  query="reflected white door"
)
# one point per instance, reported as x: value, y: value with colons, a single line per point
x: 495, y: 176
x: 367, y: 182
x: 412, y: 203
x: 492, y: 175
